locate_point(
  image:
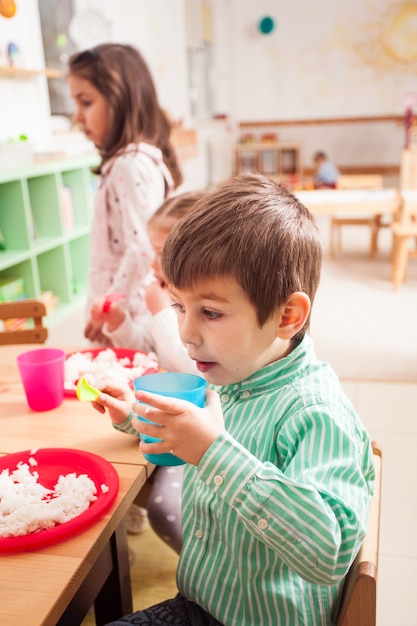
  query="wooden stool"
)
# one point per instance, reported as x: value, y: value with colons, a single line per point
x: 401, y: 252
x: 373, y: 221
x: 356, y: 181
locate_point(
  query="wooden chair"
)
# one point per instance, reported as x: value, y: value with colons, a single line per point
x: 373, y: 221
x: 358, y: 603
x: 404, y: 232
x: 23, y: 309
x: 360, y: 181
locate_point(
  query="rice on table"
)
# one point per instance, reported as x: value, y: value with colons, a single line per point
x: 26, y: 506
x: 107, y: 366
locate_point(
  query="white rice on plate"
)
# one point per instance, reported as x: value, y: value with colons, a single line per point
x: 26, y: 506
x: 107, y: 366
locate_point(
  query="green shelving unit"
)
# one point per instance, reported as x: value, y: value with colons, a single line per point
x: 45, y: 218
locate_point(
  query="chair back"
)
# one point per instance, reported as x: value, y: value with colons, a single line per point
x: 23, y: 309
x: 360, y: 181
x: 358, y: 603
x: 408, y: 213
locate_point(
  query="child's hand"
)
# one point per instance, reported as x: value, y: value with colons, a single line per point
x: 187, y: 430
x: 157, y: 297
x: 112, y: 315
x: 93, y: 332
x: 117, y: 399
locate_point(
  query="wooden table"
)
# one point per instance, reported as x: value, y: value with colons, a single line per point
x: 57, y: 585
x: 350, y: 201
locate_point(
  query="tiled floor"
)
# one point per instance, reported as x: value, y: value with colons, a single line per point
x: 389, y: 411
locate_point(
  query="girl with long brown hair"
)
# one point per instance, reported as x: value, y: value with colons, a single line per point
x: 118, y: 110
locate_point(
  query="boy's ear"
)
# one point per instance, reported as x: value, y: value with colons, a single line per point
x: 294, y: 314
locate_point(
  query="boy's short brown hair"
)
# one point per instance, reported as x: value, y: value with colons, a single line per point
x: 253, y: 230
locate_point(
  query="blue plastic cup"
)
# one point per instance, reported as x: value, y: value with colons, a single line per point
x: 175, y: 385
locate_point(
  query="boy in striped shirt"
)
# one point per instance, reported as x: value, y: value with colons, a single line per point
x: 279, y: 470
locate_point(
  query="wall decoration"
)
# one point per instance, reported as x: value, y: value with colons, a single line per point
x: 363, y: 64
x: 13, y: 54
x: 391, y: 41
x: 399, y: 33
x: 266, y: 25
x: 7, y: 8
x: 357, y: 60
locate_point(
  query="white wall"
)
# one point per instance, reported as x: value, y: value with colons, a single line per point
x: 24, y: 103
x: 323, y: 60
x: 157, y: 29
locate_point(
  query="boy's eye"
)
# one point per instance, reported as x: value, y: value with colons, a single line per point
x: 212, y: 315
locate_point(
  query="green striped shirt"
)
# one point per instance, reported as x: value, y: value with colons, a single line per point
x: 277, y: 509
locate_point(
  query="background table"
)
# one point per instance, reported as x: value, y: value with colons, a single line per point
x: 350, y: 201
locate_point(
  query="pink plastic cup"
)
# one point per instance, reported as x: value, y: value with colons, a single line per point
x: 43, y: 372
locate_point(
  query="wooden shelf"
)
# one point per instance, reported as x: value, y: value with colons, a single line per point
x: 9, y: 71
x: 45, y: 218
x: 52, y: 72
x: 271, y: 158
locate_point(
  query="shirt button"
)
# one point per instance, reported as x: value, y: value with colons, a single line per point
x: 218, y: 480
x: 246, y: 394
x: 224, y: 397
x: 198, y: 534
x: 262, y: 524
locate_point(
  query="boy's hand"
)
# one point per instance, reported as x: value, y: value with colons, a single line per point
x: 117, y: 399
x: 187, y: 430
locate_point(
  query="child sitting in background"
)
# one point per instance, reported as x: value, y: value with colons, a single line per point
x: 157, y: 329
x: 279, y: 470
x: 326, y: 174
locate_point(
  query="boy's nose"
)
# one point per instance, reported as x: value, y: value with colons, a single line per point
x: 188, y: 332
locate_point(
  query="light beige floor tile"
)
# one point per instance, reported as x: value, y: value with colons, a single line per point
x: 397, y: 598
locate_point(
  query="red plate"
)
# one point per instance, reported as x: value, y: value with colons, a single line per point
x: 52, y: 463
x: 121, y: 353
